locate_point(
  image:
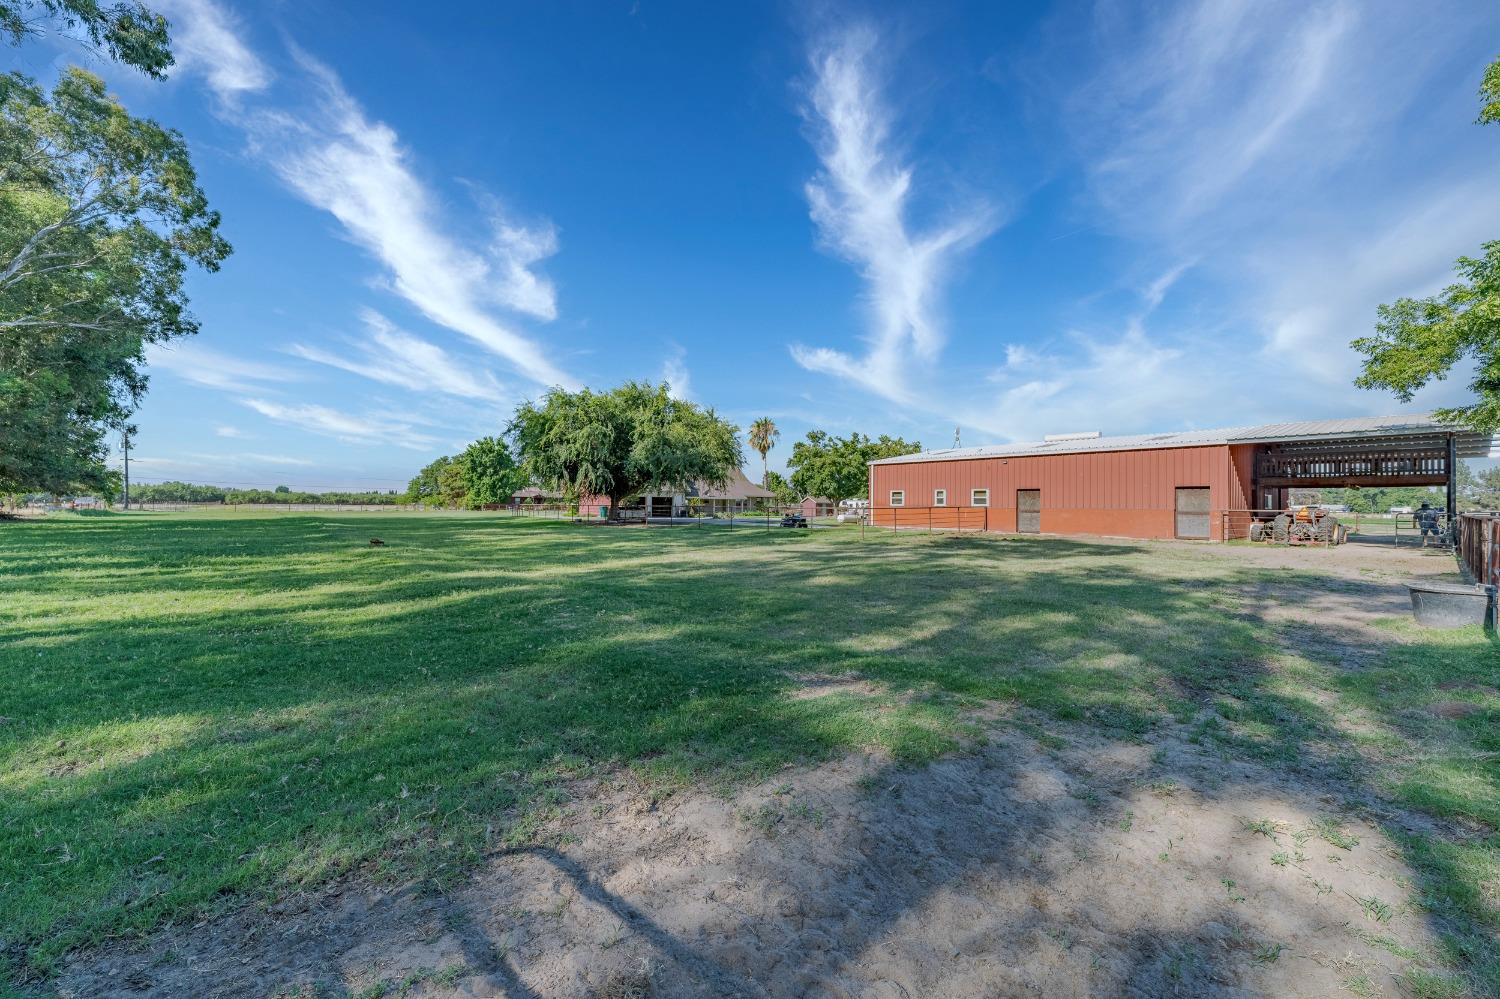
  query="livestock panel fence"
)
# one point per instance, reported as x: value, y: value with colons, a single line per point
x: 1479, y: 545
x: 931, y: 518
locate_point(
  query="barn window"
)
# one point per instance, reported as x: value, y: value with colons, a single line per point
x: 940, y: 497
x: 979, y: 497
x: 898, y: 497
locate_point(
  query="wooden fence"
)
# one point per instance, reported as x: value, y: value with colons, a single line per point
x: 1479, y: 545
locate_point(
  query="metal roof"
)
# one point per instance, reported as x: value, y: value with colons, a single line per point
x: 739, y: 487
x: 1471, y: 444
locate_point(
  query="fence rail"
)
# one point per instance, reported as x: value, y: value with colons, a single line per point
x: 1479, y: 546
x: 931, y: 518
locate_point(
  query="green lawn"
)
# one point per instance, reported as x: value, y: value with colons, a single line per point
x: 200, y: 706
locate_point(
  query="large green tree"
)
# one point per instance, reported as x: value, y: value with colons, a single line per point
x: 838, y: 467
x: 426, y: 486
x: 100, y: 218
x: 1418, y: 341
x: 490, y: 473
x: 622, y: 442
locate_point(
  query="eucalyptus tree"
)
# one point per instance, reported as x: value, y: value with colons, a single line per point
x: 100, y: 218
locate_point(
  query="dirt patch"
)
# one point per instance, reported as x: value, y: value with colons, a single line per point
x: 1105, y: 868
x: 1454, y: 709
x: 812, y: 686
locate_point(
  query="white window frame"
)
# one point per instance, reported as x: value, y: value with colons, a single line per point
x: 940, y: 497
x: 974, y: 497
x: 898, y: 497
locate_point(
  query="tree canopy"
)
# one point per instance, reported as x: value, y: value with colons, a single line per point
x: 128, y: 31
x: 1418, y: 341
x: 489, y: 472
x: 483, y: 474
x: 837, y: 467
x: 622, y: 442
x: 786, y: 493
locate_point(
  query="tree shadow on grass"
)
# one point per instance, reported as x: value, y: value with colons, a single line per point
x: 412, y: 722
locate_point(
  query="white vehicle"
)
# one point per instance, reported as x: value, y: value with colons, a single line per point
x: 1400, y: 509
x: 852, y: 510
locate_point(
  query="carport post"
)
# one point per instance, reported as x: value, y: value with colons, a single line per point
x: 1452, y: 487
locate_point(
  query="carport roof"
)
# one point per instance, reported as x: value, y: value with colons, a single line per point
x: 1471, y: 444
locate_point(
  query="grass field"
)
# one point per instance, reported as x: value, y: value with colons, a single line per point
x: 198, y: 708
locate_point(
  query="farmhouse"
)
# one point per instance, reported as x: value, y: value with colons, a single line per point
x: 738, y: 495
x: 1202, y: 484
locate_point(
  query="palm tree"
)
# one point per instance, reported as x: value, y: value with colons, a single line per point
x: 763, y: 435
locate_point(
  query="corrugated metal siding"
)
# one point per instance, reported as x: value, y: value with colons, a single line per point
x: 1125, y: 494
x: 1242, y: 477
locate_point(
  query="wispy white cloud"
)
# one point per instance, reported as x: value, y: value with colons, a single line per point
x: 393, y: 356
x: 206, y: 40
x: 225, y: 459
x: 674, y: 372
x: 1191, y: 103
x: 225, y: 430
x: 272, y: 459
x: 192, y: 362
x: 333, y: 155
x: 860, y: 202
x: 1266, y: 147
x: 347, y: 427
x: 339, y: 160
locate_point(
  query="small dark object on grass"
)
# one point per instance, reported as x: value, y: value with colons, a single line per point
x: 376, y: 542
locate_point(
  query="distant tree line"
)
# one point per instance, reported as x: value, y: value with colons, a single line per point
x: 189, y: 492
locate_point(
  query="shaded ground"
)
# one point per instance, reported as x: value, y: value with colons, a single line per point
x: 1089, y: 869
x: 541, y: 761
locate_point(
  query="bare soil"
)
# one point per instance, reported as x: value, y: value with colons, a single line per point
x: 1061, y: 864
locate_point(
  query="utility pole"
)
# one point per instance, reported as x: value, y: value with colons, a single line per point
x: 125, y: 447
x: 955, y: 437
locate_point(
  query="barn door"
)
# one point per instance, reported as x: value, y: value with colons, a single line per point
x: 1029, y: 511
x: 1192, y: 513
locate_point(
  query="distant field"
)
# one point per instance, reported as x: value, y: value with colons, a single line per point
x: 204, y: 707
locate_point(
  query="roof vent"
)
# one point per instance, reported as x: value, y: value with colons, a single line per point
x: 1086, y: 435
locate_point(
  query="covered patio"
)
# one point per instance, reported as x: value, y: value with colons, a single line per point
x: 1357, y: 454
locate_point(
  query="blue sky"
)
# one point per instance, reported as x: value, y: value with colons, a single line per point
x: 891, y: 218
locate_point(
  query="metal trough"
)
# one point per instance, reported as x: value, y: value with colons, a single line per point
x: 1450, y: 605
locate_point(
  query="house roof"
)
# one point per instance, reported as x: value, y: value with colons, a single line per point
x: 1471, y: 444
x: 739, y: 487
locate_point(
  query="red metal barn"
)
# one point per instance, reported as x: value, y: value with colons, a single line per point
x: 1200, y: 484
